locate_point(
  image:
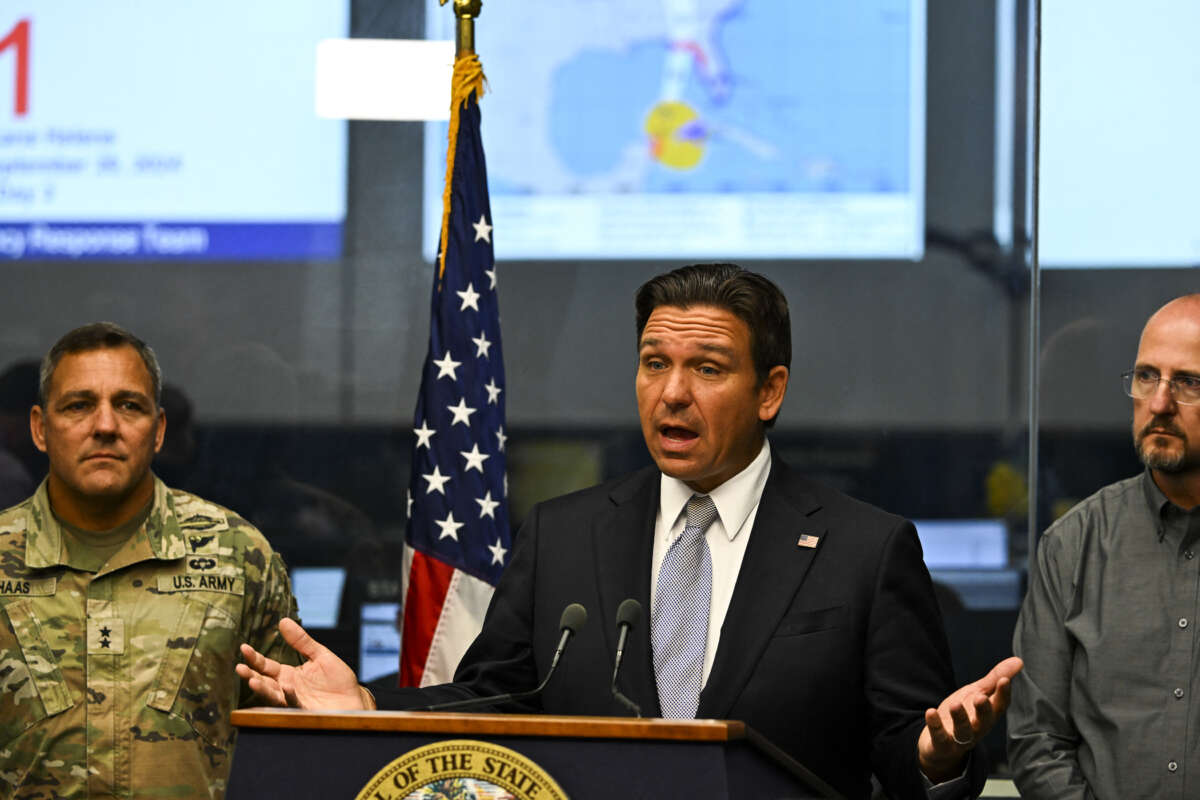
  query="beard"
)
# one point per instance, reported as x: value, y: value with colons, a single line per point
x: 1171, y: 462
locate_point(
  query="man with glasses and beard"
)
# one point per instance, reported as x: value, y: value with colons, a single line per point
x: 1104, y: 707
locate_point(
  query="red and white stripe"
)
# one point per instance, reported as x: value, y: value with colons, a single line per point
x: 443, y: 612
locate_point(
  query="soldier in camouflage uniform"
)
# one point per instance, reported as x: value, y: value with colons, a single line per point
x: 122, y: 602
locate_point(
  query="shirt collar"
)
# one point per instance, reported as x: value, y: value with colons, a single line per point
x: 160, y: 535
x: 734, y: 499
x: 1155, y: 498
x: 43, y: 540
x: 1167, y: 516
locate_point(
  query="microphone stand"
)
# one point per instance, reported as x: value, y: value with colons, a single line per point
x: 573, y: 618
x: 628, y: 614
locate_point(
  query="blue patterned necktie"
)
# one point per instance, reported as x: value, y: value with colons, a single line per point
x: 679, y: 623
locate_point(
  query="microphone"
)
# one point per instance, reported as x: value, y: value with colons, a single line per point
x: 629, y: 613
x: 573, y: 618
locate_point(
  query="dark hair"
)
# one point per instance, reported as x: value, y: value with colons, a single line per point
x: 747, y: 295
x: 98, y: 336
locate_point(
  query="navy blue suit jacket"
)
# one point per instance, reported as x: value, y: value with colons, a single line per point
x: 832, y: 652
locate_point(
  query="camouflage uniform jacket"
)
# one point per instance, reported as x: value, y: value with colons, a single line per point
x: 120, y: 683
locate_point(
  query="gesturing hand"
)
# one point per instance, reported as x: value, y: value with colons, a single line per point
x: 323, y: 682
x: 962, y: 719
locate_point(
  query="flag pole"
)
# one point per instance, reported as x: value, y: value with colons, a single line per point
x: 467, y: 80
x: 465, y: 12
x: 458, y: 534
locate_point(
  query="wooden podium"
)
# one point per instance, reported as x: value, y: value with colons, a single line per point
x: 292, y: 753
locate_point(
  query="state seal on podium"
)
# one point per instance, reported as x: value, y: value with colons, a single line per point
x: 462, y: 769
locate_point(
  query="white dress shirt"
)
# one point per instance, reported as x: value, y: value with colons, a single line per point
x: 737, y: 504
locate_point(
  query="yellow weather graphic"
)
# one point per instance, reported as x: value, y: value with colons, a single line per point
x: 677, y: 134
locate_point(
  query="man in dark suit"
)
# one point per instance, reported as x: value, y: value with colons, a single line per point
x: 776, y: 601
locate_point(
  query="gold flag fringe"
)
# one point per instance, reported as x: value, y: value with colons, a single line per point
x: 468, y: 78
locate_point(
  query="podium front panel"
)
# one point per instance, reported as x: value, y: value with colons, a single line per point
x: 338, y: 764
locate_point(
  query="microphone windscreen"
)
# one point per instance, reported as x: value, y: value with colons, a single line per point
x: 629, y: 613
x: 573, y: 618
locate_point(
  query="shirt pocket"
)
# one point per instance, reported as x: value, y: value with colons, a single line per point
x: 196, y: 683
x: 32, y: 687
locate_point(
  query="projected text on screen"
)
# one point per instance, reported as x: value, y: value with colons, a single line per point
x: 165, y: 131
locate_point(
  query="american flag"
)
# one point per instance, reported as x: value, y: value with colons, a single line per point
x: 458, y: 531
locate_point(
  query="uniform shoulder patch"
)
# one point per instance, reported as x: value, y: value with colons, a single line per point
x: 202, y: 543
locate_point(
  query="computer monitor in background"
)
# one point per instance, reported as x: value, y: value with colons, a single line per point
x: 963, y: 543
x: 318, y: 592
x: 970, y: 556
x: 379, y: 641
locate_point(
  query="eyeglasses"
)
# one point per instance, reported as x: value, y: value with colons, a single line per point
x: 1143, y: 383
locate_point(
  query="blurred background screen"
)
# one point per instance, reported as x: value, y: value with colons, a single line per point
x: 1119, y: 167
x: 803, y: 137
x: 105, y: 153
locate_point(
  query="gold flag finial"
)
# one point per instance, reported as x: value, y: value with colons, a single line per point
x: 465, y: 11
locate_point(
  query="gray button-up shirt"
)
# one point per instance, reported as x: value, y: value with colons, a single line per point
x: 1104, y: 707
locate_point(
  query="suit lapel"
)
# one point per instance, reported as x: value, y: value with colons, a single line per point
x: 772, y: 569
x: 622, y: 543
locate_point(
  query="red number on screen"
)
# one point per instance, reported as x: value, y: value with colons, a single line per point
x: 18, y: 39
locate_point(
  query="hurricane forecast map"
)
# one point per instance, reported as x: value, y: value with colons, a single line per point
x: 627, y: 128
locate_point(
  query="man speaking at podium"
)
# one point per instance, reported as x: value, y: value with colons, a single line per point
x: 774, y: 600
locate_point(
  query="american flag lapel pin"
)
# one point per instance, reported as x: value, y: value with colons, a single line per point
x: 807, y: 540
